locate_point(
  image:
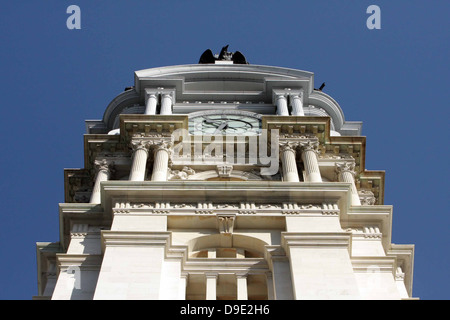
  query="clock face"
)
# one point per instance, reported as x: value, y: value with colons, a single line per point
x: 224, y: 124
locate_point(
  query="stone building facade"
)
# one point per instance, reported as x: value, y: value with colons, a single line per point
x: 224, y: 180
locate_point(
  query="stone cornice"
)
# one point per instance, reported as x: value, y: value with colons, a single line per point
x: 151, y: 126
x: 374, y: 264
x: 125, y: 207
x: 316, y: 240
x: 233, y: 191
x: 404, y: 254
x: 82, y: 261
x: 135, y: 238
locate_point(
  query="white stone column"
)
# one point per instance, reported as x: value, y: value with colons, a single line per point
x: 309, y: 157
x: 103, y: 174
x: 288, y: 163
x: 346, y: 173
x: 241, y: 284
x: 140, y: 157
x: 166, y: 103
x: 161, y: 162
x: 150, y: 105
x: 297, y: 105
x: 282, y: 106
x: 211, y: 286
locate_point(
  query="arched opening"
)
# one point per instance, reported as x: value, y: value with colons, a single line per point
x: 227, y: 269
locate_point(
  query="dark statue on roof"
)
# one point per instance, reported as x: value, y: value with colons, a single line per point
x: 224, y: 55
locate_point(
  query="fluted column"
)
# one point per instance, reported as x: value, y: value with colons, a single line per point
x: 103, y: 172
x: 282, y: 106
x: 166, y: 103
x: 150, y: 106
x: 161, y: 161
x: 309, y: 157
x: 297, y: 105
x: 140, y: 157
x: 289, y: 163
x: 346, y: 173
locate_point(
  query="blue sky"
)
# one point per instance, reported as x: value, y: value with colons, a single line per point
x: 394, y: 80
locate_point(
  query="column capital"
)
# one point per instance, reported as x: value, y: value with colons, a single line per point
x: 282, y: 95
x: 315, y: 239
x: 167, y: 95
x: 241, y: 274
x: 141, y: 144
x: 348, y: 166
x: 160, y: 91
x: 151, y: 144
x: 288, y: 146
x: 103, y: 164
x: 309, y: 145
x: 163, y: 145
x: 150, y: 94
x: 212, y: 275
x: 297, y: 94
x: 278, y: 93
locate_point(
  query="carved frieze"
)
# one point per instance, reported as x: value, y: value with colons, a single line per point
x: 242, y: 208
x: 367, y: 232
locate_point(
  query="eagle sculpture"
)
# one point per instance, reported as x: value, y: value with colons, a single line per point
x: 224, y: 55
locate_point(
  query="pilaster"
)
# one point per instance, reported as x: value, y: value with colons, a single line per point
x: 132, y: 265
x: 320, y: 265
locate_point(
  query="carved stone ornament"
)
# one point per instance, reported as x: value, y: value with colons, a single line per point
x: 309, y: 145
x: 226, y: 223
x: 367, y: 197
x: 163, y: 145
x: 224, y: 170
x: 155, y: 144
x: 141, y: 144
x: 333, y: 156
x: 348, y: 166
x: 181, y: 174
x: 103, y: 164
x: 288, y: 146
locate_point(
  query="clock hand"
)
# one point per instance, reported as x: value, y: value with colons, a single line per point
x: 222, y: 126
x: 213, y: 122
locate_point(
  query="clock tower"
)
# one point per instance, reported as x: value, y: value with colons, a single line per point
x: 224, y: 180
